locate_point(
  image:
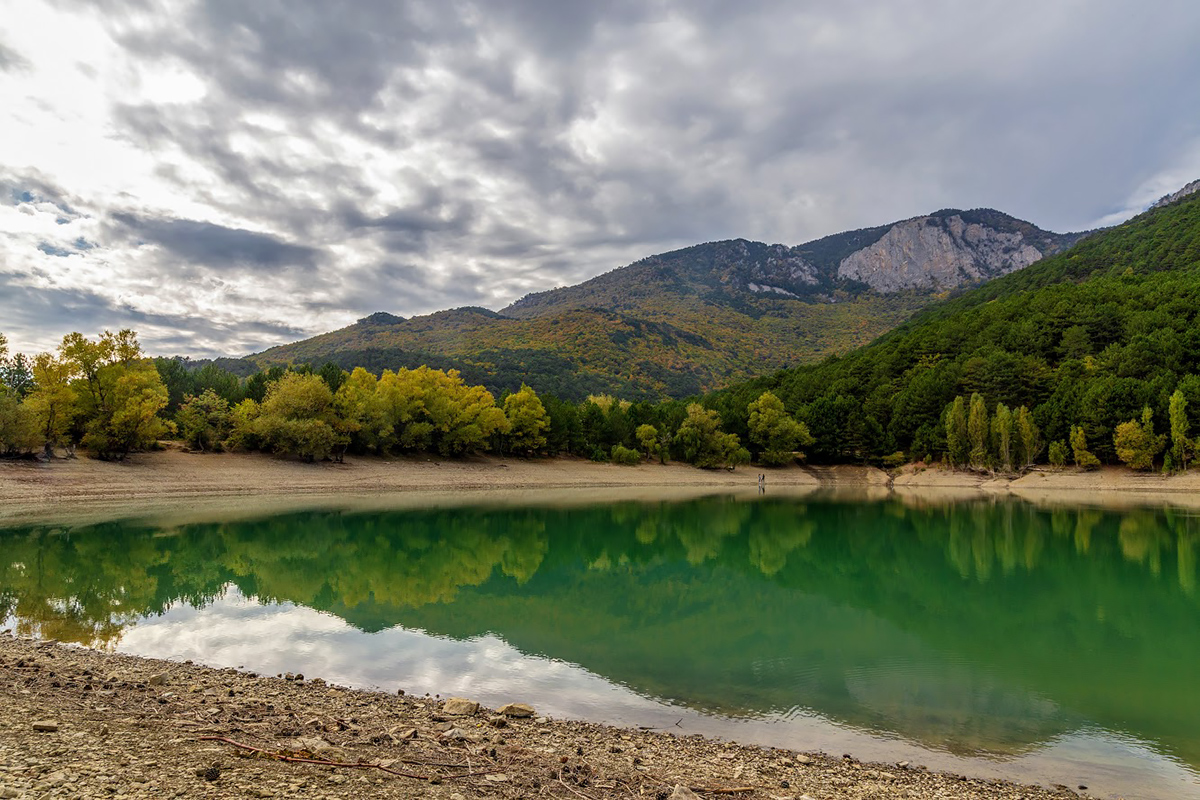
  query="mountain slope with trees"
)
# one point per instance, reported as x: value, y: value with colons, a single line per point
x: 695, y: 319
x: 1087, y: 341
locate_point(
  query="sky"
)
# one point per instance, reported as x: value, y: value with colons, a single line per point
x: 223, y: 175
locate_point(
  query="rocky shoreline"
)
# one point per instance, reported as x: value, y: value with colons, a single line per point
x: 82, y: 723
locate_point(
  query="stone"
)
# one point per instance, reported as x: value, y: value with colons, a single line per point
x: 320, y: 748
x: 158, y: 680
x: 460, y: 707
x: 683, y: 793
x: 803, y: 759
x: 45, y: 726
x: 498, y: 777
x: 520, y: 710
x: 458, y: 735
x: 399, y: 733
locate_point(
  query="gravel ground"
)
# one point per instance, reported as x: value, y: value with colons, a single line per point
x: 83, y: 723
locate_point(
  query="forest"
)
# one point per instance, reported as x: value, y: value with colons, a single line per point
x: 1088, y: 357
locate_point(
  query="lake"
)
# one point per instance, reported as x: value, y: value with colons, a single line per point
x: 990, y: 637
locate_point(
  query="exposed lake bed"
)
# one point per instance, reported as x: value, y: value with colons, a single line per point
x: 991, y: 637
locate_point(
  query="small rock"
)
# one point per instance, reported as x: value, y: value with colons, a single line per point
x: 497, y: 722
x: 683, y: 793
x: 45, y: 726
x: 726, y: 756
x: 460, y: 707
x: 158, y: 680
x: 458, y: 735
x: 499, y: 777
x: 516, y: 710
x: 402, y: 733
x: 803, y: 759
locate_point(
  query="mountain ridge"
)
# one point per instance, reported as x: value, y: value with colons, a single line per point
x: 702, y: 316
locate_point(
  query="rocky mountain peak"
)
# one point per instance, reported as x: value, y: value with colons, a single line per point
x: 1166, y: 200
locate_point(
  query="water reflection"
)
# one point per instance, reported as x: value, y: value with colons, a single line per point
x: 986, y: 628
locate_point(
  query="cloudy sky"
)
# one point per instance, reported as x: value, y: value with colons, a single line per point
x: 223, y: 175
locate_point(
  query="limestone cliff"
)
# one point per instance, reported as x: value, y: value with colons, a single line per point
x: 936, y: 253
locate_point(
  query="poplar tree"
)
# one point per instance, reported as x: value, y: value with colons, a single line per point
x: 977, y: 431
x: 1002, y: 435
x: 955, y: 421
x: 1030, y: 438
x: 1182, y: 448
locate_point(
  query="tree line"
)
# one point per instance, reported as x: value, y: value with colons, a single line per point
x: 108, y: 397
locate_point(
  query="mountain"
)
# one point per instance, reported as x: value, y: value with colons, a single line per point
x: 1087, y: 337
x: 698, y: 318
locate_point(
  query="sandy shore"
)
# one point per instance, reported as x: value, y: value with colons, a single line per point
x: 1111, y: 487
x: 84, y: 724
x: 227, y: 485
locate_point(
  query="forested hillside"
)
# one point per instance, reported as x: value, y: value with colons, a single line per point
x: 695, y: 319
x: 1086, y: 340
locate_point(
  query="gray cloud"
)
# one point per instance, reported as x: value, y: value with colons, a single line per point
x: 215, y: 246
x: 65, y: 310
x: 11, y: 60
x: 414, y: 156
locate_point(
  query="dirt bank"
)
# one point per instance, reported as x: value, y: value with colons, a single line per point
x: 179, y: 480
x: 84, y: 724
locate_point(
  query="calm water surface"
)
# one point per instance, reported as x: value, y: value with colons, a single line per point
x: 993, y: 638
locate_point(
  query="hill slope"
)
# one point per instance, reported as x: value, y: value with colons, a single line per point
x: 698, y: 318
x: 1086, y: 337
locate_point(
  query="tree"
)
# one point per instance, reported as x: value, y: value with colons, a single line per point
x: 52, y: 404
x: 17, y: 433
x: 776, y: 433
x: 704, y: 444
x: 1059, y: 453
x: 647, y: 436
x: 977, y: 432
x: 1029, y: 438
x: 16, y: 374
x: 1136, y: 444
x: 463, y: 418
x: 1083, y: 458
x: 119, y: 393
x: 359, y: 410
x: 243, y: 427
x: 626, y: 456
x: 1182, y: 448
x: 204, y: 421
x: 129, y: 418
x: 297, y: 417
x: 527, y: 421
x: 1002, y: 435
x: 957, y: 442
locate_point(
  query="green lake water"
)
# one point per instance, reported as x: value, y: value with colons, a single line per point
x: 993, y: 638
